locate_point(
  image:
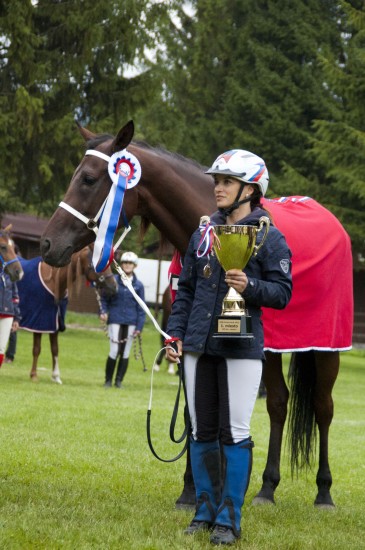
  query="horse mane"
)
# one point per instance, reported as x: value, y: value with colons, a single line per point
x: 162, y: 151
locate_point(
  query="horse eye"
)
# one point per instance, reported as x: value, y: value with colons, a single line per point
x: 89, y: 180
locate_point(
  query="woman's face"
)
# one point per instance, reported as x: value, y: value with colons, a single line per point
x: 128, y: 267
x: 225, y: 190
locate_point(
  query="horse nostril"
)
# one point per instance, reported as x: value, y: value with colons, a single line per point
x: 45, y: 246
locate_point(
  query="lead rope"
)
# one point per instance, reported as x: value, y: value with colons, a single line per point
x: 173, y: 417
x: 126, y: 281
x: 138, y: 353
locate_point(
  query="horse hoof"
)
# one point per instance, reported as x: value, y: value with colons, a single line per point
x: 182, y: 506
x: 34, y: 378
x: 261, y: 501
x: 156, y: 368
x: 325, y: 506
x: 56, y: 379
x: 186, y: 501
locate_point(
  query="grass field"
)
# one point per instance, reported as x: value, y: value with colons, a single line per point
x: 76, y: 471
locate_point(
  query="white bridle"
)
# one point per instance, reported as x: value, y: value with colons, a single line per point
x: 92, y: 223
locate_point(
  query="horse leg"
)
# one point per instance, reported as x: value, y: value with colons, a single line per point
x: 327, y: 367
x: 187, y: 499
x: 277, y: 405
x: 56, y: 375
x: 37, y: 338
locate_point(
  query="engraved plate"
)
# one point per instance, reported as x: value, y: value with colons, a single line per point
x: 229, y: 325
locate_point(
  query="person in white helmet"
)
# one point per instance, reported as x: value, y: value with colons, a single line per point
x: 125, y: 319
x: 222, y: 376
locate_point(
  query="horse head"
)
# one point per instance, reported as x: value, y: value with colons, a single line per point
x: 9, y: 261
x: 88, y: 189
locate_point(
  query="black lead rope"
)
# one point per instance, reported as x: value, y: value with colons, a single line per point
x: 173, y: 422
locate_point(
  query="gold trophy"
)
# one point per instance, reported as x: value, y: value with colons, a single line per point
x: 234, y: 245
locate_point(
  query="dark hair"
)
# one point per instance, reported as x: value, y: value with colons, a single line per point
x: 256, y: 200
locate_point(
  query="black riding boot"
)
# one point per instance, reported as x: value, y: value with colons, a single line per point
x: 122, y: 369
x: 109, y: 371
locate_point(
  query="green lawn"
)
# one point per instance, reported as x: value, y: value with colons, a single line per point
x: 76, y: 471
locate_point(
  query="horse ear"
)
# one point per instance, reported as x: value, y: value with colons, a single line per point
x: 124, y: 137
x: 86, y: 134
x: 8, y: 227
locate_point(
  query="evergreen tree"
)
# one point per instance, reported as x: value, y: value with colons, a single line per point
x: 60, y: 60
x: 339, y: 143
x: 246, y: 74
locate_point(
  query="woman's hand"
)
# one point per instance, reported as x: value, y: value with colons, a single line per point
x: 136, y: 333
x: 236, y: 279
x: 103, y: 317
x: 14, y: 326
x: 171, y: 355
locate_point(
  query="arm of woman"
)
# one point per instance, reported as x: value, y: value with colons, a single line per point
x: 181, y: 308
x: 274, y: 287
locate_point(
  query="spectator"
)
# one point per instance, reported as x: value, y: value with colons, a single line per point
x: 125, y: 319
x: 9, y: 311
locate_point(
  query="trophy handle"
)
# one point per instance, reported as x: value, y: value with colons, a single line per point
x: 263, y: 221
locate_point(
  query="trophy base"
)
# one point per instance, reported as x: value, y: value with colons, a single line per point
x: 233, y: 326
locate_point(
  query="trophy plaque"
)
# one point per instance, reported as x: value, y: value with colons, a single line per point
x: 233, y: 246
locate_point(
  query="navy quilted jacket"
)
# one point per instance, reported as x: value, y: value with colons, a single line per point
x: 122, y: 308
x: 199, y: 300
x: 9, y: 297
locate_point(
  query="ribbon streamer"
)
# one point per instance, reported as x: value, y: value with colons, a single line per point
x: 125, y: 172
x: 207, y: 240
x: 103, y: 250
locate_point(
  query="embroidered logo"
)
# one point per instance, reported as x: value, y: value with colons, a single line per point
x: 284, y: 264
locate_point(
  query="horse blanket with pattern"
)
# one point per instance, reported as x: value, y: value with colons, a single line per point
x: 38, y: 307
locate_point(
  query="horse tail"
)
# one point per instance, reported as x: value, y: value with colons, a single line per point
x: 302, y: 426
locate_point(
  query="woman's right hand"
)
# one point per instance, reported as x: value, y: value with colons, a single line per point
x: 171, y: 355
x: 103, y: 317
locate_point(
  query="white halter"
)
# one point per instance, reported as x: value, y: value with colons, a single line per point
x: 91, y: 223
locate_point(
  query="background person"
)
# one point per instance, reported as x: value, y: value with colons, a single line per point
x: 11, y: 349
x: 9, y: 311
x: 222, y: 376
x: 125, y: 319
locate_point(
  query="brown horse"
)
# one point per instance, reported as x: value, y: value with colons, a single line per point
x: 44, y: 294
x: 9, y: 262
x: 173, y: 193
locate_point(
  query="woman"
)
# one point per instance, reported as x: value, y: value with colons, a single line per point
x: 125, y: 318
x: 9, y: 311
x: 222, y: 376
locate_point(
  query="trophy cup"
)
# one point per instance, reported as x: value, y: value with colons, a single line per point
x: 233, y: 246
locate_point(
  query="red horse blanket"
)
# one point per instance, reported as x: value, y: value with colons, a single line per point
x: 320, y: 313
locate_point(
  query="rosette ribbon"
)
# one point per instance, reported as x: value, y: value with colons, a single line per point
x: 125, y: 172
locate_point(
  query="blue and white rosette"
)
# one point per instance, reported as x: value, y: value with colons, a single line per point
x: 125, y: 172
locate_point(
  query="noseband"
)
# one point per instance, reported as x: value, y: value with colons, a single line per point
x: 4, y: 264
x: 91, y: 223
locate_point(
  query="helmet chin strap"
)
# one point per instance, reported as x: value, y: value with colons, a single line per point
x: 228, y: 211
